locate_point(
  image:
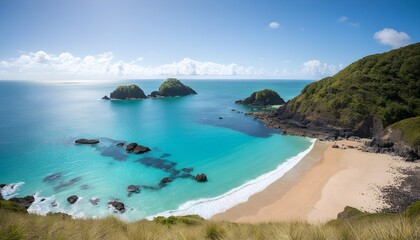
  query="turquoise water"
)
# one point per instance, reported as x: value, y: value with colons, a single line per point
x: 40, y: 121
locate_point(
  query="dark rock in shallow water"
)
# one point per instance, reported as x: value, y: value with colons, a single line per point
x: 121, y: 144
x: 94, y: 201
x: 72, y: 199
x: 105, y: 97
x: 118, y: 206
x: 133, y: 189
x: 262, y: 98
x: 165, y: 180
x: 140, y: 149
x: 187, y: 170
x: 65, y: 184
x: 3, y: 185
x: 25, y: 201
x: 201, y: 177
x: 52, y: 177
x: 130, y: 147
x: 87, y: 141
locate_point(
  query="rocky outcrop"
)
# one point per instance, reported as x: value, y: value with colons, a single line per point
x: 105, y: 97
x: 128, y: 92
x: 264, y: 97
x: 87, y: 141
x: 72, y: 199
x: 165, y: 180
x: 136, y: 149
x: 172, y: 87
x: 133, y: 189
x: 118, y: 206
x: 94, y: 201
x: 121, y: 144
x: 201, y: 177
x: 25, y: 201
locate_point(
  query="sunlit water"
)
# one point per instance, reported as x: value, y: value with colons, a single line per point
x: 39, y: 123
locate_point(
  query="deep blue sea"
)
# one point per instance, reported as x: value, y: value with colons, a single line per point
x: 40, y: 121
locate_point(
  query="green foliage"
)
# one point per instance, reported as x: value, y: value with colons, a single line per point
x: 383, y: 85
x: 172, y: 220
x: 12, y: 206
x: 127, y: 92
x: 173, y: 87
x: 268, y: 97
x: 410, y: 129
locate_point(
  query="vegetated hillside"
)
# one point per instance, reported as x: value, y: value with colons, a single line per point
x: 173, y: 87
x: 263, y: 97
x: 351, y: 224
x: 128, y: 92
x: 382, y: 88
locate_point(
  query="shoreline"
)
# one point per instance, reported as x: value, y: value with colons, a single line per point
x: 320, y: 186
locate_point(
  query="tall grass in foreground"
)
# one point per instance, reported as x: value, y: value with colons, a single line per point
x: 365, y: 226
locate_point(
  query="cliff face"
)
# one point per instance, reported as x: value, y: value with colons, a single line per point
x: 378, y: 89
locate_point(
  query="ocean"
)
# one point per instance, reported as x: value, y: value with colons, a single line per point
x: 40, y: 121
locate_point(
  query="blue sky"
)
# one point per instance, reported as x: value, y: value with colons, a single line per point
x: 107, y: 39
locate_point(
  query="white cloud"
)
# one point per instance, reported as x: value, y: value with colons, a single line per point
x: 315, y: 68
x: 342, y: 19
x: 274, y: 25
x: 391, y: 37
x: 65, y: 65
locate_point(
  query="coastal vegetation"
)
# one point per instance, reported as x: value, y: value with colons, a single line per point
x: 384, y: 86
x: 263, y: 97
x: 128, y: 92
x: 351, y: 224
x: 173, y: 87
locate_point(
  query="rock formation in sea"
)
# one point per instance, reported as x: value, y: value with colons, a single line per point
x: 25, y: 201
x: 72, y: 199
x: 128, y: 92
x: 117, y: 206
x: 264, y: 97
x: 172, y: 87
x: 136, y: 149
x: 87, y: 141
x: 201, y: 177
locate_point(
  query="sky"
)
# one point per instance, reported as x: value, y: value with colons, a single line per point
x: 203, y: 39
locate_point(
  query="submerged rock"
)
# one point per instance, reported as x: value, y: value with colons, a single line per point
x: 52, y: 177
x: 165, y: 180
x: 25, y: 201
x: 201, y: 177
x: 262, y: 98
x: 72, y: 199
x: 121, y: 144
x: 130, y: 147
x: 133, y: 189
x: 118, y: 206
x: 87, y: 141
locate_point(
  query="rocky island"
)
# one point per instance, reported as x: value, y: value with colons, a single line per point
x: 126, y: 92
x: 370, y: 98
x: 264, y: 97
x: 172, y: 87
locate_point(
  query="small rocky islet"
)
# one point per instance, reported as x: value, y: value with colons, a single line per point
x: 172, y: 87
x: 265, y: 97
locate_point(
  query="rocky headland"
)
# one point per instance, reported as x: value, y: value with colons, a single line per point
x: 265, y: 97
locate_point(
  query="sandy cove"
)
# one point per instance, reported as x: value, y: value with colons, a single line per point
x: 321, y: 185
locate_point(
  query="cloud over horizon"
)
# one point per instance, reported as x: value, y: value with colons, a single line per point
x: 43, y: 65
x: 391, y: 37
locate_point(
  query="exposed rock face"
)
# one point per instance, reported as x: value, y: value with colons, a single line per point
x: 72, y: 199
x: 94, y: 201
x: 201, y: 177
x: 172, y: 87
x: 118, y: 206
x: 25, y: 201
x: 87, y: 141
x: 128, y: 92
x: 165, y: 180
x: 130, y: 147
x: 133, y: 189
x: 140, y: 149
x: 105, y: 97
x: 264, y: 97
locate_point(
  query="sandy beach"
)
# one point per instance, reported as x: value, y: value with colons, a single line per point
x: 319, y: 187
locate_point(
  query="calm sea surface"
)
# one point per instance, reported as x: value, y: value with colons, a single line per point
x: 40, y: 121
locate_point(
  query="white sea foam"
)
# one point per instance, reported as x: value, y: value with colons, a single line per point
x: 208, y: 207
x: 10, y: 190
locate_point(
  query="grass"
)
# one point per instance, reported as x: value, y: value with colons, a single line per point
x: 410, y: 130
x: 354, y: 225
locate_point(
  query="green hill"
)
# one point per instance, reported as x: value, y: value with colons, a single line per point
x: 263, y: 97
x: 380, y: 89
x: 173, y: 87
x: 128, y: 92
